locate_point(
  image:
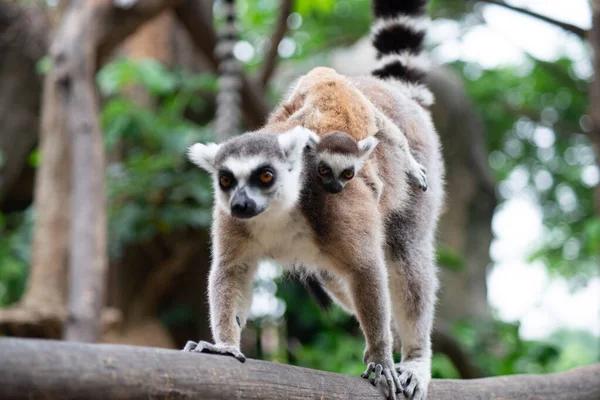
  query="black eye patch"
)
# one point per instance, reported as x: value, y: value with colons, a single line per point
x: 347, y: 174
x: 263, y: 176
x: 324, y: 170
x: 226, y: 180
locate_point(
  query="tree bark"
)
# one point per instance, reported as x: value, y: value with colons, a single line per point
x: 24, y: 39
x: 74, y: 59
x: 35, y: 369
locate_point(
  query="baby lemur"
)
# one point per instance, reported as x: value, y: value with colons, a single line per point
x: 374, y: 258
x: 339, y: 158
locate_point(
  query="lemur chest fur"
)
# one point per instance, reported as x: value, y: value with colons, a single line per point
x: 285, y: 240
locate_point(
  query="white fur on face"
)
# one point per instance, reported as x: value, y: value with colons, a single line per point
x: 279, y: 198
x: 339, y: 162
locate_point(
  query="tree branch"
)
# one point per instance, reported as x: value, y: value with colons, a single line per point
x: 580, y: 32
x: 271, y: 58
x: 444, y: 343
x: 36, y: 369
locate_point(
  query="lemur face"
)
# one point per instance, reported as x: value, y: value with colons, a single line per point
x: 255, y: 173
x: 339, y: 158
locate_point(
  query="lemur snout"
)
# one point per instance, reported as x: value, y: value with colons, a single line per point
x: 333, y: 187
x: 243, y: 206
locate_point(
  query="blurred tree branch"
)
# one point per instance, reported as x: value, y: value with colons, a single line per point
x: 444, y: 343
x: 580, y: 32
x: 193, y: 17
x: 270, y: 61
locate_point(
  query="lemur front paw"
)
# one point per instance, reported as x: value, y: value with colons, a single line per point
x: 417, y: 173
x: 382, y: 367
x: 414, y: 378
x: 206, y: 347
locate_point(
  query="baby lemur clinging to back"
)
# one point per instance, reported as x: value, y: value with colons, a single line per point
x: 375, y: 258
x: 339, y: 158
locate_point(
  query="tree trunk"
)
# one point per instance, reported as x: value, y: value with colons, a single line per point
x: 41, y: 311
x: 23, y: 41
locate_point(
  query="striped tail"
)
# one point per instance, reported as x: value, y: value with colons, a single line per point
x: 229, y: 98
x: 397, y: 34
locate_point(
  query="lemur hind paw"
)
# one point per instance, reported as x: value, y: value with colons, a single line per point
x: 414, y: 380
x: 206, y: 347
x: 390, y: 376
x: 418, y: 174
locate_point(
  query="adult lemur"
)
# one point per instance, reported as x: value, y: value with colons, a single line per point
x: 374, y: 257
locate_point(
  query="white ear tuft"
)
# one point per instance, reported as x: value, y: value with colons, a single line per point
x: 293, y: 142
x: 203, y: 155
x: 366, y: 147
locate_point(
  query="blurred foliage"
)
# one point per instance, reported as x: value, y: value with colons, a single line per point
x: 153, y: 189
x: 536, y: 118
x: 15, y: 239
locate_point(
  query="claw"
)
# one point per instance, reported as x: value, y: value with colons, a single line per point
x: 367, y: 373
x: 413, y: 381
x: 388, y: 373
x: 190, y: 346
x: 205, y: 347
x: 375, y: 379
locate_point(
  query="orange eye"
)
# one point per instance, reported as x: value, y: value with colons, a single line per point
x: 266, y: 176
x: 225, y: 181
x: 349, y: 174
x: 323, y: 170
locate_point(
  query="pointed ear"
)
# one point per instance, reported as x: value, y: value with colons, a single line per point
x: 366, y: 147
x: 293, y: 142
x: 203, y: 155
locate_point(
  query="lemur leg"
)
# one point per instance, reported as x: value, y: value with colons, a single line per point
x: 412, y: 286
x: 369, y: 293
x: 229, y: 296
x: 416, y: 172
x: 338, y: 290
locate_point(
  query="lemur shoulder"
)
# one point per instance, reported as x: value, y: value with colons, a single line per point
x: 375, y: 259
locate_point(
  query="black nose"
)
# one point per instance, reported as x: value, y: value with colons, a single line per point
x: 243, y: 208
x: 334, y: 187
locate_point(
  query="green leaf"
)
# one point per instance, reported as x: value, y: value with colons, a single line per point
x: 155, y: 77
x: 449, y: 258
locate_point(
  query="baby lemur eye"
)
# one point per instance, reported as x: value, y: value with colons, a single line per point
x: 324, y: 170
x: 348, y: 174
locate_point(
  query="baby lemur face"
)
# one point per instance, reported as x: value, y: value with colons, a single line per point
x: 255, y: 173
x: 339, y: 158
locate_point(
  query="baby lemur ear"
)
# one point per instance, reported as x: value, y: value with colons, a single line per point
x: 292, y: 142
x: 366, y: 147
x: 203, y: 155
